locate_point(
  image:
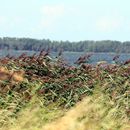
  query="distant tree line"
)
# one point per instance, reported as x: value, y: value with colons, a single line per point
x: 86, y: 46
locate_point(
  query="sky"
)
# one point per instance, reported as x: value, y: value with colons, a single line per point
x: 72, y: 20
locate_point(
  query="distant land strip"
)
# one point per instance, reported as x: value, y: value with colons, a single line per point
x: 80, y: 46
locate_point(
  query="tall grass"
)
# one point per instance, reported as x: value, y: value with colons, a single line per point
x: 41, y: 93
x: 97, y: 112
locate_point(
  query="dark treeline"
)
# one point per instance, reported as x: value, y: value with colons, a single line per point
x: 87, y: 46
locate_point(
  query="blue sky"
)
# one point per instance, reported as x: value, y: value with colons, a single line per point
x: 72, y: 20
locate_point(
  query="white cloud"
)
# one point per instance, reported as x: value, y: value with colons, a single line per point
x: 51, y: 14
x: 53, y: 10
x: 3, y: 20
x: 107, y: 24
x: 10, y: 22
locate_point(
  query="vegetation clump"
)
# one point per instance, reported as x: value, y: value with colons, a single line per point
x: 37, y: 90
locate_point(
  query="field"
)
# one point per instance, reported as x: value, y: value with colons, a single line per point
x: 42, y: 93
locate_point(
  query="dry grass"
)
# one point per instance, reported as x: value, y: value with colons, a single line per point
x: 14, y: 76
x: 33, y: 117
x: 91, y: 115
x: 95, y: 112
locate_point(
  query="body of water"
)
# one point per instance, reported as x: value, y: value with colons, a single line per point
x: 71, y: 57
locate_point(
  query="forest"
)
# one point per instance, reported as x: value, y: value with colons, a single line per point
x: 80, y: 46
